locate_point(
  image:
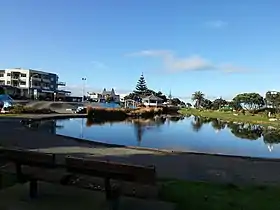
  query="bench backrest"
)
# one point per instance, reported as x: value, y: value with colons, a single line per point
x: 30, y: 158
x: 113, y: 170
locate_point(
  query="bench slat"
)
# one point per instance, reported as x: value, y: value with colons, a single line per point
x: 28, y: 157
x: 141, y: 174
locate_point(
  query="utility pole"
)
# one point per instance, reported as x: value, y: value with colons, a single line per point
x: 84, y: 81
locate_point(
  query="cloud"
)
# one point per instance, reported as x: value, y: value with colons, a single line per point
x: 174, y: 64
x: 216, y: 24
x: 98, y: 64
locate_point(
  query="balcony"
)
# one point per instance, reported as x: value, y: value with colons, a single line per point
x: 61, y: 83
x: 15, y: 78
x: 46, y: 80
x: 36, y: 79
x: 46, y: 88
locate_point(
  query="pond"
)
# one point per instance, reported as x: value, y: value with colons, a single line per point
x: 180, y: 134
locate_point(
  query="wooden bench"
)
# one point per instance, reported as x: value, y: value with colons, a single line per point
x: 111, y: 171
x: 28, y: 158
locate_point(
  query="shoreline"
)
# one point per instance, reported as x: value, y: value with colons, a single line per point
x: 185, y: 166
x: 229, y: 117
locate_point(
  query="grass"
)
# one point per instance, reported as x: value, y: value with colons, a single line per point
x: 199, y: 195
x: 228, y: 116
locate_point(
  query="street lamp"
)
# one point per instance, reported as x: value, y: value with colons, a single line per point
x: 84, y: 81
x: 31, y: 84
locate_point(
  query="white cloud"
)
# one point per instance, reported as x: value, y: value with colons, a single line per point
x: 174, y: 64
x: 216, y: 24
x: 192, y: 63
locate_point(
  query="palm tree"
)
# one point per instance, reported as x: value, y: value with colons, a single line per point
x: 198, y: 96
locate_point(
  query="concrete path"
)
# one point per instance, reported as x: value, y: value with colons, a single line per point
x: 180, y: 165
x: 57, y: 197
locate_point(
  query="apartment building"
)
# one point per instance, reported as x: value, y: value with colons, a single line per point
x: 30, y: 83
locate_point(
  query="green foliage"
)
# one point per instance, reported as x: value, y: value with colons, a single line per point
x: 109, y: 99
x: 197, y: 97
x: 19, y: 109
x: 219, y: 103
x: 141, y: 87
x: 206, y: 103
x: 2, y: 91
x: 251, y: 101
x: 273, y: 100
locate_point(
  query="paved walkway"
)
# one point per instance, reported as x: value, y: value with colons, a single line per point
x: 168, y: 165
x: 52, y: 197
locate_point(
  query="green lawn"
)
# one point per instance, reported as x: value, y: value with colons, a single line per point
x: 206, y: 196
x: 256, y: 119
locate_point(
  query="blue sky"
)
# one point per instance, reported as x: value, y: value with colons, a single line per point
x: 218, y: 47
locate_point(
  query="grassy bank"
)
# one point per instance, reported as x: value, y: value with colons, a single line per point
x: 197, y: 195
x: 229, y: 116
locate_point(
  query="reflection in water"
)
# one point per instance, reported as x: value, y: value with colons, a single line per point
x: 182, y: 134
x: 241, y: 130
x: 198, y: 122
x: 218, y: 124
x: 140, y: 125
x: 246, y: 131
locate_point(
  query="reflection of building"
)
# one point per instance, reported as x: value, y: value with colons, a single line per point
x: 104, y: 96
x: 152, y: 100
x: 30, y: 83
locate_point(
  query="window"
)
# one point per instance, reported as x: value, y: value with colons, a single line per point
x: 23, y: 75
x: 51, y: 86
x: 8, y: 74
x: 2, y: 82
x: 8, y: 82
x: 22, y: 83
x: 1, y: 74
x: 51, y: 78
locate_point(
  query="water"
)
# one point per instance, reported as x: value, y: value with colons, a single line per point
x: 188, y: 134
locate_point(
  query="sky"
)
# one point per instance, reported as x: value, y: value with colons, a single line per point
x: 219, y: 47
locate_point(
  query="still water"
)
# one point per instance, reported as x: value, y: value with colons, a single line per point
x: 180, y: 134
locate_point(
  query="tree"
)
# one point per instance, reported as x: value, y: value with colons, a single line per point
x: 132, y: 96
x: 250, y: 101
x: 188, y: 105
x: 206, y: 103
x: 272, y: 99
x: 141, y: 87
x: 109, y: 99
x: 197, y: 97
x: 235, y: 105
x: 175, y: 101
x: 218, y: 103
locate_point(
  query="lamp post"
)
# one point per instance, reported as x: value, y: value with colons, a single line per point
x: 84, y: 81
x: 31, y: 84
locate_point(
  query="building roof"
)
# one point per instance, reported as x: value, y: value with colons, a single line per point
x: 152, y: 97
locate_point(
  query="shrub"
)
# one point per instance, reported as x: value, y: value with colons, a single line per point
x: 19, y: 109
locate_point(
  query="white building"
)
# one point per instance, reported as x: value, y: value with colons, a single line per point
x: 104, y: 96
x: 30, y: 82
x: 152, y: 100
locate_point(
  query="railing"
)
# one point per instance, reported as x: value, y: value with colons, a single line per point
x: 46, y: 80
x: 61, y: 83
x: 36, y: 78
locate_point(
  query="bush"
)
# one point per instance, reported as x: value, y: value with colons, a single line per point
x: 19, y: 109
